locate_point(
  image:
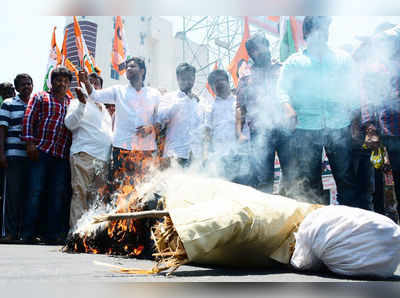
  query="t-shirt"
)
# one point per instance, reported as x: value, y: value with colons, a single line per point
x: 12, y: 115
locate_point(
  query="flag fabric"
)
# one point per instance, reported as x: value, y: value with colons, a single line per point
x: 120, y: 47
x: 64, y: 47
x: 240, y: 55
x: 86, y: 60
x: 53, y: 61
x: 291, y: 36
x: 66, y: 62
x: 208, y: 86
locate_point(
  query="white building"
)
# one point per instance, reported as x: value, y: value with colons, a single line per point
x: 152, y: 39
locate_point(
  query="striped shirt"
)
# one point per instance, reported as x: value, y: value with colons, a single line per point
x: 44, y: 124
x: 11, y: 116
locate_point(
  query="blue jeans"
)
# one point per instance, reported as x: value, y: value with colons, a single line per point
x: 15, y: 194
x: 262, y: 158
x: 365, y: 176
x: 48, y: 173
x: 338, y: 147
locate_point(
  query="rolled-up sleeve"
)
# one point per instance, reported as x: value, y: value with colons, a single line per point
x: 75, y: 113
x: 5, y: 114
x: 107, y: 95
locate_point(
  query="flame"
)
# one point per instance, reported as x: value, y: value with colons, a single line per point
x: 137, y: 251
x: 124, y: 236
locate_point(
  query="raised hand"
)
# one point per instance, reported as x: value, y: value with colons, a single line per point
x: 81, y: 96
x: 83, y: 76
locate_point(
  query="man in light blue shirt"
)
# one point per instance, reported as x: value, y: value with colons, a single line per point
x: 318, y: 90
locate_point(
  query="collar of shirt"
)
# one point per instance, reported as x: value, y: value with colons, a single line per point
x: 17, y: 98
x: 220, y: 98
x: 141, y: 91
x: 326, y: 55
x: 65, y: 100
x: 182, y: 94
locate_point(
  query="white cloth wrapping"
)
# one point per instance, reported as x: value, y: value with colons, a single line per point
x: 348, y: 241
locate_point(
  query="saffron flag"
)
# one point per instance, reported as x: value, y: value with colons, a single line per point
x: 64, y: 47
x: 291, y: 36
x: 66, y: 62
x: 54, y: 60
x: 207, y: 85
x: 240, y: 55
x: 86, y: 60
x: 120, y: 47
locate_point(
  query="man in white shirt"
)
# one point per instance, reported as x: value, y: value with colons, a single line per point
x: 134, y: 139
x: 182, y: 114
x: 224, y: 127
x: 91, y: 127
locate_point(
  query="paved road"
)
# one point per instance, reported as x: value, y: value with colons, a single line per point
x: 39, y: 271
x: 48, y: 263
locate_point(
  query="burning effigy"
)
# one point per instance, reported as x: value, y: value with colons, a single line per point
x: 209, y: 221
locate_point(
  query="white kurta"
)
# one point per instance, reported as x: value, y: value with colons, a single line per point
x: 91, y: 129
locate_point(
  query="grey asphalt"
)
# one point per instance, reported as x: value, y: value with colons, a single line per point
x: 48, y: 263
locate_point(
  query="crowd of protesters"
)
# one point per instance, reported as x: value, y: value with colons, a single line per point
x: 59, y: 153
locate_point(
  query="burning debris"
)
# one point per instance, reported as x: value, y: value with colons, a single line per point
x: 214, y: 222
x: 209, y: 221
x: 118, y: 234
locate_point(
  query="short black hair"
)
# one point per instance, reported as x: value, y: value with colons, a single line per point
x: 312, y: 23
x: 256, y: 41
x: 61, y: 71
x: 20, y: 77
x: 216, y: 73
x: 94, y: 75
x: 140, y: 62
x: 185, y: 67
x: 7, y: 90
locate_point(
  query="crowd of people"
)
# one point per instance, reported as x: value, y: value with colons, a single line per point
x: 58, y: 152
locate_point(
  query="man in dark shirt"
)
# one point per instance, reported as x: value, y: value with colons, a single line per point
x: 261, y: 110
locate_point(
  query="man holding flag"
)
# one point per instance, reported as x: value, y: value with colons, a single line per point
x: 134, y: 140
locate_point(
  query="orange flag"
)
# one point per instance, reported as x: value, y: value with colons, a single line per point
x: 85, y: 59
x: 64, y: 47
x: 241, y: 54
x: 207, y: 85
x: 120, y: 46
x: 66, y: 62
